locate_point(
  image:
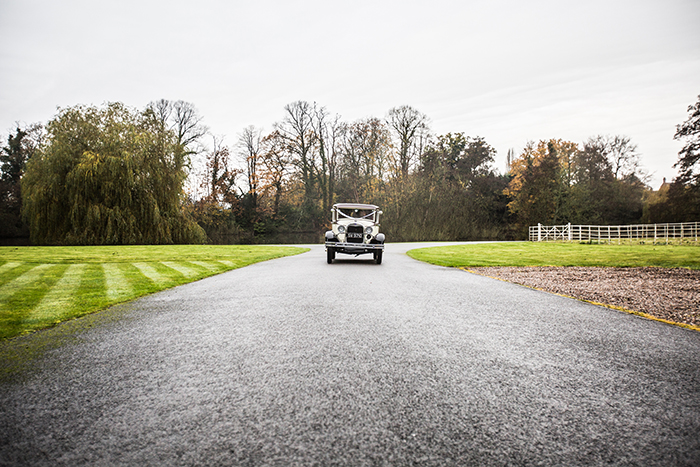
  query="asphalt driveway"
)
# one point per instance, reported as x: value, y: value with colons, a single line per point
x: 298, y: 362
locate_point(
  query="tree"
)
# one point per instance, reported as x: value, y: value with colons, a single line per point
x: 364, y: 152
x: 183, y: 119
x: 689, y: 157
x: 592, y: 178
x: 682, y: 202
x: 331, y: 138
x: 411, y: 132
x: 556, y: 182
x: 326, y: 130
x: 274, y: 169
x: 249, y: 144
x: 539, y: 189
x: 215, y: 212
x: 621, y: 153
x: 298, y: 131
x: 221, y: 177
x: 13, y: 158
x: 107, y: 175
x: 616, y: 187
x: 458, y: 157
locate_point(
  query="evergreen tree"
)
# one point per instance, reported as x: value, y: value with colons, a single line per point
x: 13, y: 159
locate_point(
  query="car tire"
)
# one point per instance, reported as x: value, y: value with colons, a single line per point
x: 378, y: 256
x: 330, y: 255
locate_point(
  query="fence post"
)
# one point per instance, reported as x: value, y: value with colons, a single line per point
x: 539, y: 232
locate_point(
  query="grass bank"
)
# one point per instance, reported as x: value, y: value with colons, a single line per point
x: 43, y: 286
x: 560, y: 254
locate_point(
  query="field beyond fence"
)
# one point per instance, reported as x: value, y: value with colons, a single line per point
x: 682, y: 232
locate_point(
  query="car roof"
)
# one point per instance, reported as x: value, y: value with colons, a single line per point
x: 354, y: 206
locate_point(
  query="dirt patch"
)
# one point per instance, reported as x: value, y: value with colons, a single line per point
x: 669, y: 294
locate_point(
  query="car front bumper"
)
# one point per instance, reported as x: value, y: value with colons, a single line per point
x: 354, y: 248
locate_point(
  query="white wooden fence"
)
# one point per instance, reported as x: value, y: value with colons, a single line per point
x: 683, y: 232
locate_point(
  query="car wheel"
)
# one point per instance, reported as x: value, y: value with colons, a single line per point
x: 330, y: 255
x: 378, y: 256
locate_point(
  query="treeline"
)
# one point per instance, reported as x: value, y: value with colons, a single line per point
x: 428, y: 187
x: 118, y: 175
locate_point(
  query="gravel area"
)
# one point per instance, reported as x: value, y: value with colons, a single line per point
x: 670, y: 294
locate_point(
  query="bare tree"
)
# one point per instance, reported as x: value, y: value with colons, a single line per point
x: 162, y: 109
x: 249, y: 144
x: 298, y: 131
x: 326, y: 131
x: 411, y: 132
x: 187, y: 123
x: 623, y: 156
x: 183, y: 119
x: 274, y: 168
x: 220, y: 179
x: 334, y: 131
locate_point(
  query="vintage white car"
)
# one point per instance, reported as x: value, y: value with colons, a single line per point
x: 355, y: 231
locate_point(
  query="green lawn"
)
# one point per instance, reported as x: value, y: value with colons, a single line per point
x: 42, y: 286
x: 560, y: 254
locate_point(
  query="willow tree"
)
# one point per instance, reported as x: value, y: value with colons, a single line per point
x: 107, y: 175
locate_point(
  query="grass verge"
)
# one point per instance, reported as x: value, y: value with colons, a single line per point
x: 43, y: 286
x: 522, y: 254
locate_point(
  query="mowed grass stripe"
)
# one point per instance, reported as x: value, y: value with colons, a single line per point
x: 149, y: 270
x: 9, y: 265
x: 140, y: 283
x: 92, y: 289
x: 116, y: 285
x: 11, y: 274
x: 21, y: 295
x: 59, y: 301
x: 22, y: 281
x: 182, y: 268
x: 170, y: 276
x: 212, y: 266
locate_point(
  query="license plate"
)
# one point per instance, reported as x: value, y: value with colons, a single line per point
x: 354, y: 235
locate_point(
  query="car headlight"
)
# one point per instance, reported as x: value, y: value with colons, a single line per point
x: 368, y: 231
x: 341, y: 229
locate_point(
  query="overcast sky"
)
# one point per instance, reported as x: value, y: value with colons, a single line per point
x: 509, y: 71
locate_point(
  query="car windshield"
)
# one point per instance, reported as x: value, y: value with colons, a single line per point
x: 356, y: 213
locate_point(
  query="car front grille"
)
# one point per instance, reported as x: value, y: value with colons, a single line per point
x: 355, y: 232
